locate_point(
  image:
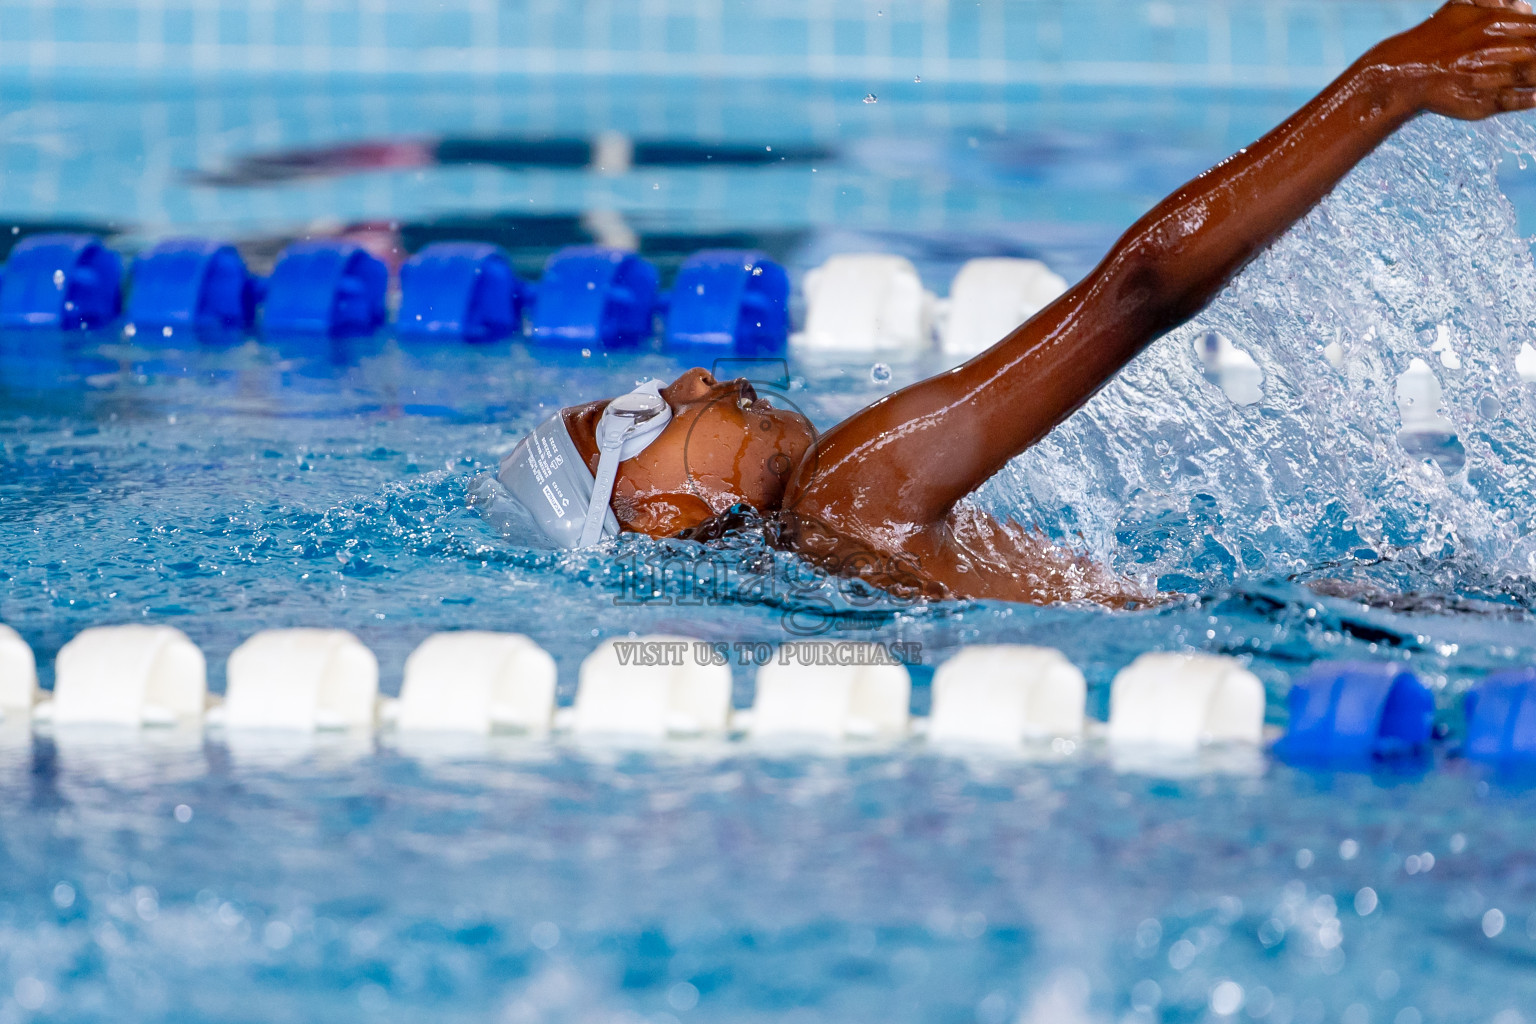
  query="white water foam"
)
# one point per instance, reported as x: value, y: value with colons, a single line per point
x: 1416, y: 255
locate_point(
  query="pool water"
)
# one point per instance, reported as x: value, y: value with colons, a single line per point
x: 225, y: 488
x: 540, y: 882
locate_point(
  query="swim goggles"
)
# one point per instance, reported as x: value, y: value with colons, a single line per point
x: 548, y: 477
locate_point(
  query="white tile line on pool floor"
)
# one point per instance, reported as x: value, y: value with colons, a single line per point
x: 1276, y: 43
x: 309, y: 681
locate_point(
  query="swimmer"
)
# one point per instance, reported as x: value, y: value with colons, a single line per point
x: 882, y: 494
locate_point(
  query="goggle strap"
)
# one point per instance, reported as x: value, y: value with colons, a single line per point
x: 602, y: 493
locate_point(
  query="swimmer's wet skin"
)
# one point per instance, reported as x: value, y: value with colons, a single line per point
x: 880, y: 495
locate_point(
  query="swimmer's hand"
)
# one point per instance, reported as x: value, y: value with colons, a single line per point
x: 1472, y: 59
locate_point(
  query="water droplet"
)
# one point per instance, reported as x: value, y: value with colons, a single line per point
x: 1489, y: 407
x: 545, y: 935
x: 30, y: 993
x: 683, y: 996
x: 880, y: 373
x: 655, y: 186
x: 1146, y: 995
x: 1226, y: 998
x: 870, y: 97
x: 917, y: 78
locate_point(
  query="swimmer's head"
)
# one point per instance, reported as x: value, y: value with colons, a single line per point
x: 724, y: 446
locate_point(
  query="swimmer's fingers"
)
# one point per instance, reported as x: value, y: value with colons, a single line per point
x: 1460, y: 62
x: 1485, y: 102
x: 1520, y: 74
x: 1517, y: 98
x: 1480, y: 96
x: 1494, y: 91
x: 1479, y: 73
x: 1503, y: 55
x: 1489, y: 71
x: 1507, y: 5
x: 1483, y: 71
x: 1510, y: 29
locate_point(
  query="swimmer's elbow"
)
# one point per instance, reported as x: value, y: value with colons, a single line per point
x: 1169, y: 270
x: 1141, y: 289
x: 1155, y: 285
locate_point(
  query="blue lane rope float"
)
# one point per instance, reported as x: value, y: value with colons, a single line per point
x: 730, y: 300
x: 590, y: 298
x: 62, y: 283
x: 594, y: 297
x: 1357, y: 711
x: 325, y: 287
x: 460, y: 290
x: 192, y: 283
x: 1501, y: 718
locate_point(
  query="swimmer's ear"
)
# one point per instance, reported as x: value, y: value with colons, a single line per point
x: 661, y: 516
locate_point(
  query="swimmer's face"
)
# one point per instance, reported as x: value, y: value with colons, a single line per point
x: 725, y: 446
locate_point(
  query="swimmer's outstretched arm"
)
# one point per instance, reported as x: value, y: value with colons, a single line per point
x: 902, y: 463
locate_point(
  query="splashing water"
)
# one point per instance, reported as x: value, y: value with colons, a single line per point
x: 1415, y: 255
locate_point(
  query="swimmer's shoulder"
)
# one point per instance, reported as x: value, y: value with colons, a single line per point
x: 967, y: 555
